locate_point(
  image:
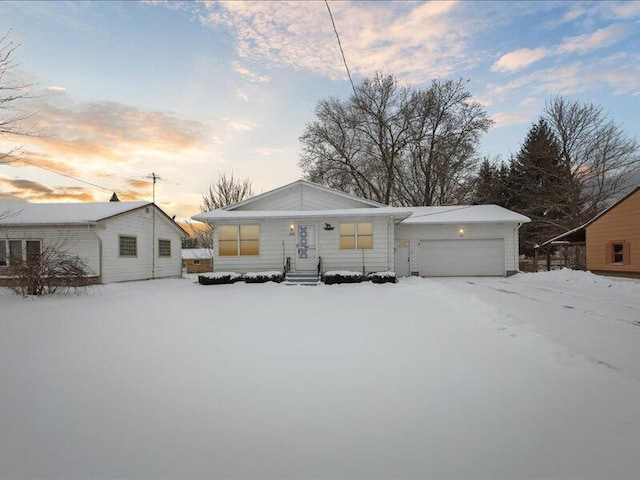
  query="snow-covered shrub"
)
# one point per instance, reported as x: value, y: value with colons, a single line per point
x: 383, y: 277
x: 342, y: 276
x: 218, y: 278
x: 263, y: 277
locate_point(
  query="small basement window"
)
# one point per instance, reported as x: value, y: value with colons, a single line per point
x: 164, y: 248
x: 128, y: 246
x: 196, y: 261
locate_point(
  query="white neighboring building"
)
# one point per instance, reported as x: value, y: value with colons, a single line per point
x: 118, y: 241
x: 308, y: 227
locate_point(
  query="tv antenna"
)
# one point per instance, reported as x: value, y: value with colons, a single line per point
x: 155, y: 178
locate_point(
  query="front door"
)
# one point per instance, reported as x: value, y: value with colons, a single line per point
x: 401, y: 259
x: 307, y: 259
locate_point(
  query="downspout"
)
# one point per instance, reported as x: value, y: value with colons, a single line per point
x: 389, y: 243
x: 99, y: 258
x: 516, y: 248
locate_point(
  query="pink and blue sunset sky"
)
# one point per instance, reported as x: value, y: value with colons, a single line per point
x: 191, y: 89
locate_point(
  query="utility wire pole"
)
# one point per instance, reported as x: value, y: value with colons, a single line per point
x: 155, y: 178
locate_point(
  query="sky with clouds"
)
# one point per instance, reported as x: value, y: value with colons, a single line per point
x: 192, y: 89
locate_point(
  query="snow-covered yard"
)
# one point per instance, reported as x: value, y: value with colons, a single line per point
x: 534, y: 376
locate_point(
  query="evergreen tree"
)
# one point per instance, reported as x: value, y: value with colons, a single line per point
x: 537, y: 187
x: 490, y: 184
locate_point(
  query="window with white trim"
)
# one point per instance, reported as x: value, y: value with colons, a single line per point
x: 128, y: 246
x: 13, y: 252
x: 234, y: 240
x: 356, y: 236
x: 164, y: 248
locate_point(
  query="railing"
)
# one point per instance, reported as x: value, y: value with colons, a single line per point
x: 319, y: 266
x: 287, y: 266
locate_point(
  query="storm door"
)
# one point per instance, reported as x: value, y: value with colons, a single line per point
x: 307, y: 259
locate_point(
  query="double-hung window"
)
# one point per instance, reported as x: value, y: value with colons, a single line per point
x: 618, y: 253
x: 356, y: 236
x: 234, y: 240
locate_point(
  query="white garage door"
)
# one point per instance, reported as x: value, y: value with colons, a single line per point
x: 462, y: 257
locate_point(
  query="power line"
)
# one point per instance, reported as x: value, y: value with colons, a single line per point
x: 341, y: 50
x: 63, y: 174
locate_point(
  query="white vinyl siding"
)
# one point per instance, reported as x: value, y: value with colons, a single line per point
x: 275, y: 238
x: 416, y: 234
x: 98, y: 245
x: 138, y: 223
x: 302, y: 197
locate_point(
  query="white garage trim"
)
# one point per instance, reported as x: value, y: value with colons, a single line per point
x: 462, y: 257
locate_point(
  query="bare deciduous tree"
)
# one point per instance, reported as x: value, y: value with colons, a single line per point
x: 53, y: 270
x: 12, y: 92
x: 599, y: 159
x: 225, y: 191
x: 446, y: 125
x: 395, y: 144
x: 355, y: 145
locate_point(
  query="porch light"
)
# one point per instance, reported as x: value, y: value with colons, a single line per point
x: 461, y: 231
x: 292, y: 229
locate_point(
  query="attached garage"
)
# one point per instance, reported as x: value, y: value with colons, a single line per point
x: 461, y: 241
x: 462, y: 257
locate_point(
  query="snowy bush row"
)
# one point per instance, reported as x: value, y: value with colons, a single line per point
x: 345, y: 276
x: 219, y: 278
x: 330, y: 277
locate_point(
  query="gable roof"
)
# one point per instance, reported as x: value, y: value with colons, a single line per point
x: 304, y: 183
x: 86, y: 213
x: 580, y: 231
x: 611, y: 207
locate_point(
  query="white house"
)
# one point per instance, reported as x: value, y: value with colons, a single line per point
x: 308, y: 227
x: 118, y: 241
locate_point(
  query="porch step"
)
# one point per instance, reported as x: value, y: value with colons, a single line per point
x: 302, y: 278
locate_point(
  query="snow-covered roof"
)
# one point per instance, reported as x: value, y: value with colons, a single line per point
x: 464, y: 214
x: 222, y: 215
x: 25, y: 213
x: 196, y: 253
x: 406, y: 215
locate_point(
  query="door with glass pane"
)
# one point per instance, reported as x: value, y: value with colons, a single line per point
x: 307, y: 258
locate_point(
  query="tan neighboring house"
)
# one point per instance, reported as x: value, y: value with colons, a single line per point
x: 613, y: 238
x: 197, y: 260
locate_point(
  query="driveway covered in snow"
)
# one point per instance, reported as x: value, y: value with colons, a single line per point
x: 595, y: 316
x: 458, y: 378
